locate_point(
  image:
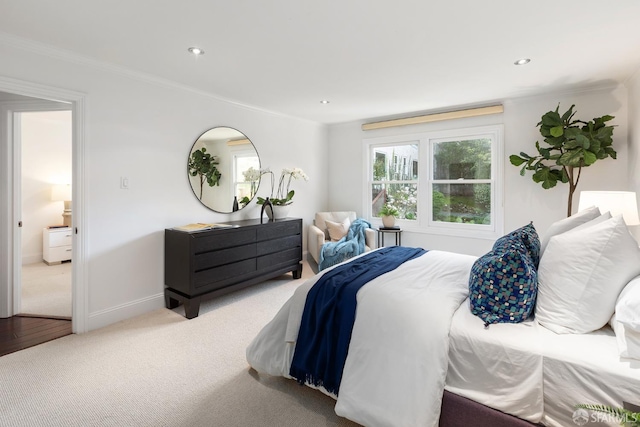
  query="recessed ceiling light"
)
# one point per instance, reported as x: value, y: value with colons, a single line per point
x: 196, y: 51
x: 324, y: 101
x: 522, y: 61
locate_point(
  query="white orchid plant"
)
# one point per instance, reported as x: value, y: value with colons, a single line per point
x: 284, y: 196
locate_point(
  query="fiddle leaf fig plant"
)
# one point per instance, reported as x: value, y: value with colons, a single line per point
x: 570, y: 146
x: 203, y: 165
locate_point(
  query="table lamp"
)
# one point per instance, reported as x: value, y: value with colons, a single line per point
x: 615, y: 202
x: 62, y: 192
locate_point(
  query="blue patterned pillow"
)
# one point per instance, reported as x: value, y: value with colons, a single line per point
x: 526, y: 236
x: 503, y: 284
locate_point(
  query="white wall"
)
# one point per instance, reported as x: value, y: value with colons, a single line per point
x: 633, y: 86
x: 634, y: 132
x: 143, y: 130
x: 524, y: 200
x: 46, y: 160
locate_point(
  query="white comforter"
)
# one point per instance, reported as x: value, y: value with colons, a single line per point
x: 395, y: 370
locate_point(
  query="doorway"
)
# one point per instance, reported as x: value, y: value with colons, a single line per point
x: 43, y: 140
x: 18, y: 96
x: 39, y: 133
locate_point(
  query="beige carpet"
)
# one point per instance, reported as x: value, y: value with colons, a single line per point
x: 46, y: 289
x: 161, y: 369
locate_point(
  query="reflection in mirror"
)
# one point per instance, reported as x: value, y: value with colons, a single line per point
x: 221, y: 169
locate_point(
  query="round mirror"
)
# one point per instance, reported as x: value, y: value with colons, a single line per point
x: 223, y: 169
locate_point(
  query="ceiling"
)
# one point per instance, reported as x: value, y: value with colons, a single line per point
x: 369, y: 58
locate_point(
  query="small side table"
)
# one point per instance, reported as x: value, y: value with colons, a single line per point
x: 395, y: 230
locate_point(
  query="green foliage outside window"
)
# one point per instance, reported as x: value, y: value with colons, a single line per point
x: 463, y: 201
x: 472, y: 205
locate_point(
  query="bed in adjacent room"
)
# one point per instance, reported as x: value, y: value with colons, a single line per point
x: 422, y: 330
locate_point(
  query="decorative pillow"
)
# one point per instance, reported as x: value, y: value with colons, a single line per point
x: 503, y: 285
x: 526, y: 236
x: 567, y: 224
x: 337, y: 230
x: 581, y: 275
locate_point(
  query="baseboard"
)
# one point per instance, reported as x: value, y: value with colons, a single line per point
x: 31, y: 259
x: 125, y: 311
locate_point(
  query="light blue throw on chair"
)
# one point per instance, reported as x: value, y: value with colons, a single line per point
x: 352, y: 244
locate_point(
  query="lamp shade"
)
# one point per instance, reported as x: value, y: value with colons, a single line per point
x: 61, y: 192
x: 615, y: 202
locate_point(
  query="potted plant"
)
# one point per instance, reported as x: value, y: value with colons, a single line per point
x: 572, y: 145
x: 388, y: 214
x: 284, y: 196
x: 203, y: 165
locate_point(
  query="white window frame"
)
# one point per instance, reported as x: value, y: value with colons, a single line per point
x: 426, y: 142
x: 239, y: 152
x: 370, y: 157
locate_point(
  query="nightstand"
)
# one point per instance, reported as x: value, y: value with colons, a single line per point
x: 56, y: 245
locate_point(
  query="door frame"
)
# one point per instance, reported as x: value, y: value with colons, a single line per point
x: 9, y: 233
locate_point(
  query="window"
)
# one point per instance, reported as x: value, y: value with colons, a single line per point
x: 391, y: 182
x: 440, y: 182
x: 242, y: 162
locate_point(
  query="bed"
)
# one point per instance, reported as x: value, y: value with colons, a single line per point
x: 519, y: 369
x: 535, y: 374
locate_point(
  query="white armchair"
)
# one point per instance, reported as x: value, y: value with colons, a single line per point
x: 319, y: 235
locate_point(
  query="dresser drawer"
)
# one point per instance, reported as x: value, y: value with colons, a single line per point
x: 222, y: 273
x: 219, y: 239
x: 275, y: 260
x: 59, y: 238
x: 277, y: 245
x: 274, y: 230
x: 211, y: 259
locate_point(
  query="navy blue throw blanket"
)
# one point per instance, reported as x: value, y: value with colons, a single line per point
x: 329, y: 313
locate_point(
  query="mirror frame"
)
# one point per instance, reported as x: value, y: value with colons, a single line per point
x: 225, y: 145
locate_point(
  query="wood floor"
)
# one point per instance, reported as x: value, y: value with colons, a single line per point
x: 20, y: 332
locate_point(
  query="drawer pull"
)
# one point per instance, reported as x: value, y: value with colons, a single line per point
x: 68, y: 250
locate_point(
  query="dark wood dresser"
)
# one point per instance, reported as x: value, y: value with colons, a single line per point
x: 209, y: 263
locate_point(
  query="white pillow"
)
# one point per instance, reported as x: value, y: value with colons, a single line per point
x: 567, y: 224
x: 628, y: 305
x: 597, y: 220
x: 627, y: 339
x: 337, y: 230
x: 581, y: 275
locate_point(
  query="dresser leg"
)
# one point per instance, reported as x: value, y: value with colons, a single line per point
x: 297, y: 273
x: 191, y: 307
x: 169, y: 302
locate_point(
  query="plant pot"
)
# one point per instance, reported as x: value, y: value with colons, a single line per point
x: 280, y: 211
x: 388, y: 221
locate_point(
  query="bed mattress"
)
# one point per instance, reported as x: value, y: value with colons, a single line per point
x: 529, y: 371
x: 585, y: 368
x: 499, y: 366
